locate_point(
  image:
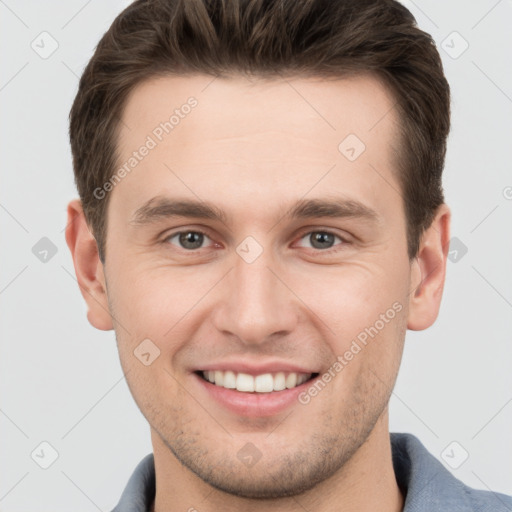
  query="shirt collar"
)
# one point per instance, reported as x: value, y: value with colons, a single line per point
x: 425, y: 483
x: 139, y: 493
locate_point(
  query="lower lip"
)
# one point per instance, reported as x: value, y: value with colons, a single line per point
x: 253, y: 404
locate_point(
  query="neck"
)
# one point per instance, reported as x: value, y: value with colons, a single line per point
x: 365, y: 483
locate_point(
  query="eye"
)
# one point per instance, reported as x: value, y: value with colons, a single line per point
x: 193, y: 240
x: 322, y: 240
x: 190, y: 240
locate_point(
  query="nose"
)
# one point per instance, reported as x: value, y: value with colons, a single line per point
x: 256, y: 304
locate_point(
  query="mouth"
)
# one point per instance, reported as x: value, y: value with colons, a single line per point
x: 262, y: 383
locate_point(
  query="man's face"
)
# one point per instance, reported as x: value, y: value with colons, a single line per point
x: 261, y: 291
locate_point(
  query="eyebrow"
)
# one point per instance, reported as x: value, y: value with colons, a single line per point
x: 161, y: 207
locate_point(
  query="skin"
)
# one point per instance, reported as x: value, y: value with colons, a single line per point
x: 253, y: 148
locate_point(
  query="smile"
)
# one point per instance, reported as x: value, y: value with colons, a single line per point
x: 263, y: 383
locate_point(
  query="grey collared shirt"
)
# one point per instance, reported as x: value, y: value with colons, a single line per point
x: 426, y: 484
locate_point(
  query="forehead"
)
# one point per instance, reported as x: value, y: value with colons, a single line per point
x: 360, y: 102
x: 235, y: 137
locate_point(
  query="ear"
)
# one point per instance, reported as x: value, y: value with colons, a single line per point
x: 88, y: 267
x: 428, y: 272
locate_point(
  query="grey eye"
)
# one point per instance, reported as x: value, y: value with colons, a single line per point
x: 189, y: 240
x: 321, y: 239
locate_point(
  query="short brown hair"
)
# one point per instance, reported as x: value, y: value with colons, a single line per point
x: 323, y: 38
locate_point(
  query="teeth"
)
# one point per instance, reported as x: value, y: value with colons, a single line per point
x: 279, y: 381
x: 301, y: 379
x: 264, y: 383
x: 219, y: 378
x: 291, y: 380
x: 244, y: 382
x: 229, y: 380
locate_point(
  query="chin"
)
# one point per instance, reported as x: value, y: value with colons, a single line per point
x: 277, y: 474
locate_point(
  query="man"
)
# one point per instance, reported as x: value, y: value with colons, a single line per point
x: 261, y: 219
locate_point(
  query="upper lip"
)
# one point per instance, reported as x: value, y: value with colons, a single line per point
x: 257, y: 368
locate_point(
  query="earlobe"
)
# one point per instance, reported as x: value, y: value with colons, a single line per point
x: 428, y: 272
x: 88, y: 267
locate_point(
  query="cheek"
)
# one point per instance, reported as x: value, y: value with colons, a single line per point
x: 349, y: 299
x: 154, y: 388
x: 154, y: 303
x: 157, y: 312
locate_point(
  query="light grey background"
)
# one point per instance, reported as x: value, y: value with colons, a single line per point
x: 61, y: 380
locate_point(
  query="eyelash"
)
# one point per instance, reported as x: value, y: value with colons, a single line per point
x: 199, y: 231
